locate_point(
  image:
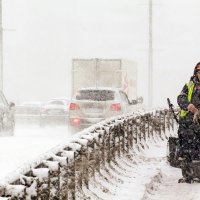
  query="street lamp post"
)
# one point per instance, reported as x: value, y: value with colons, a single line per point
x: 1, y: 48
x: 150, y: 58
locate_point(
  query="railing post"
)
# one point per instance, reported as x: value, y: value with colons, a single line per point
x: 123, y: 137
x: 118, y: 131
x: 71, y: 178
x: 128, y: 135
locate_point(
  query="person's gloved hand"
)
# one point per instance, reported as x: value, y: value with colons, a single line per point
x: 196, y: 118
x: 191, y: 108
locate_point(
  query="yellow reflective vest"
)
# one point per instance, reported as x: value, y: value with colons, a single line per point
x: 190, y: 85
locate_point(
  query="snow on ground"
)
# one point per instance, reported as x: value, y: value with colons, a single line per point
x: 142, y: 175
x: 169, y: 188
x: 129, y: 177
x: 28, y: 142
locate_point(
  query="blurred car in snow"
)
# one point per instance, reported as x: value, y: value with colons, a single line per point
x: 7, y: 119
x: 55, y: 111
x: 92, y: 105
x: 28, y: 111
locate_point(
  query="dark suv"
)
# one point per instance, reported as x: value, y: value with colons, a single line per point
x: 7, y: 119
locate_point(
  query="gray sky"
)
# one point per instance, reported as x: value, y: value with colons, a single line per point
x: 48, y: 34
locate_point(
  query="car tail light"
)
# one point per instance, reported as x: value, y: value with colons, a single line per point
x: 75, y: 121
x: 74, y: 106
x: 115, y: 106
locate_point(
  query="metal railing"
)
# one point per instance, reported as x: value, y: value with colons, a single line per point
x: 62, y: 173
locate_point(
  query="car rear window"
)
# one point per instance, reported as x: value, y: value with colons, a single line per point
x: 95, y: 95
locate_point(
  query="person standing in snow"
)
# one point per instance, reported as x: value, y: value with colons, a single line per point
x: 189, y: 128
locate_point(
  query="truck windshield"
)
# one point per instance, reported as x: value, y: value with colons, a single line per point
x: 95, y: 95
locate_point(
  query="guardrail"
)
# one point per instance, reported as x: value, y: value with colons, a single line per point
x: 61, y: 173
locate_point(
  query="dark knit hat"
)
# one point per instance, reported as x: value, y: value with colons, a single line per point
x: 197, y: 68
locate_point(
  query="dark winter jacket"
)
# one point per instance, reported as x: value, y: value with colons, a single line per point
x: 183, y: 102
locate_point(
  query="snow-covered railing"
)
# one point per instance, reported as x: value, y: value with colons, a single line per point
x: 62, y: 172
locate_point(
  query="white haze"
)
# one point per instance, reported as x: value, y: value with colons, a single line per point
x: 42, y: 36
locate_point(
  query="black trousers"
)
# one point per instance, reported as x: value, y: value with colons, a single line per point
x: 189, y: 141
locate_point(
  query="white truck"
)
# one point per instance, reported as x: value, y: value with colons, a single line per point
x: 117, y: 73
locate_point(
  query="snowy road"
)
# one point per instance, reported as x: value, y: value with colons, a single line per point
x: 28, y: 142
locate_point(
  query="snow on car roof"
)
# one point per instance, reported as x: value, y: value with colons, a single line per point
x: 100, y: 88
